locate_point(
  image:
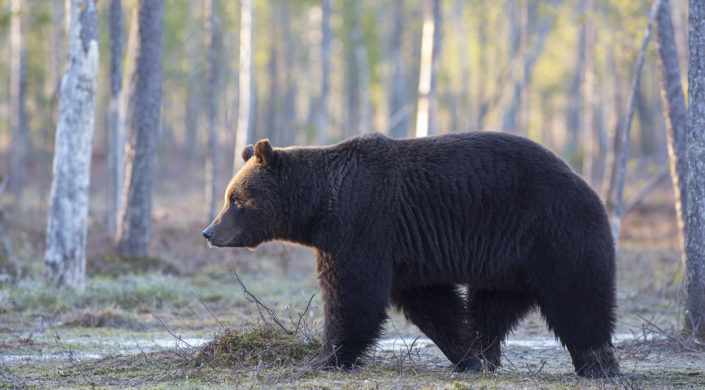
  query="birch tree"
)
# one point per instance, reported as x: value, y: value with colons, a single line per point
x: 674, y: 112
x: 430, y: 49
x: 399, y: 107
x: 65, y: 258
x: 211, y: 172
x: 324, y: 99
x: 17, y: 125
x: 695, y: 239
x: 135, y: 226
x: 116, y: 138
x: 245, y: 83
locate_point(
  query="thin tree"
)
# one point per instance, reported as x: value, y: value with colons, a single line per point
x: 362, y: 66
x: 695, y: 239
x: 587, y: 91
x: 65, y: 258
x: 324, y: 99
x: 674, y: 111
x: 517, y: 18
x: 620, y: 164
x: 399, y: 107
x: 116, y: 138
x: 430, y: 50
x: 17, y: 117
x: 287, y: 128
x: 135, y: 226
x: 245, y: 83
x: 211, y: 172
x: 194, y: 95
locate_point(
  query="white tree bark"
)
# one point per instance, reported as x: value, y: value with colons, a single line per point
x: 17, y: 128
x: 430, y: 41
x: 65, y: 256
x: 211, y: 171
x: 116, y: 141
x: 324, y: 100
x: 399, y: 106
x: 245, y: 84
x: 695, y: 239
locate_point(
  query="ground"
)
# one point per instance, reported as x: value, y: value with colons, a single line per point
x: 144, y: 323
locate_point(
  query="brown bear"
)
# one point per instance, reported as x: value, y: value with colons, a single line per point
x: 406, y: 222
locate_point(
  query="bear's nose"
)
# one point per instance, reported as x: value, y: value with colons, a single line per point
x: 208, y: 233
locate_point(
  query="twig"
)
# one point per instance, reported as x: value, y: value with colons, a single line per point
x: 177, y: 337
x: 252, y: 298
x: 654, y: 181
x: 302, y: 315
x: 73, y: 361
x: 9, y: 371
x: 208, y: 310
x: 655, y: 329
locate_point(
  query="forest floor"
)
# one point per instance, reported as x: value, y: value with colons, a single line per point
x: 147, y: 323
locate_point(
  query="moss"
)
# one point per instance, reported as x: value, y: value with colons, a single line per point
x: 264, y: 344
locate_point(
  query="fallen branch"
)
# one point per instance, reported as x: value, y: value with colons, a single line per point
x: 646, y: 190
x: 653, y: 328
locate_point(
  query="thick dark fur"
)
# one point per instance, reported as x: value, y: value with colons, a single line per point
x: 406, y: 222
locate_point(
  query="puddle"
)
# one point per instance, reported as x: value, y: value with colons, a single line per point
x: 121, y: 346
x: 534, y: 342
x: 108, y: 347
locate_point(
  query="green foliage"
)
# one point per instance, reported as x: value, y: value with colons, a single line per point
x: 143, y: 292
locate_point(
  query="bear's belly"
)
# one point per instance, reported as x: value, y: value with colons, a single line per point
x: 414, y: 273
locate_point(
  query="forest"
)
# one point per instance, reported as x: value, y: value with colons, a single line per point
x: 123, y: 121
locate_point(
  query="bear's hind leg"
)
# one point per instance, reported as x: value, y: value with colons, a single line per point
x: 441, y: 315
x: 493, y: 314
x: 583, y: 321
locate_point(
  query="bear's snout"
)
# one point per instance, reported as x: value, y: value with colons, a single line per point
x: 208, y: 233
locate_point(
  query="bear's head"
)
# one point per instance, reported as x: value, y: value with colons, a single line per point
x: 254, y: 201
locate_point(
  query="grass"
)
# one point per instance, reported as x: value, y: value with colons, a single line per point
x: 114, y: 333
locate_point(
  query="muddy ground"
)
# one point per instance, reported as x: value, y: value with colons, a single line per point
x: 142, y: 324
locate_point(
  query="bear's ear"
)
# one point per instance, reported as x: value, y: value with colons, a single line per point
x: 247, y: 152
x: 264, y: 153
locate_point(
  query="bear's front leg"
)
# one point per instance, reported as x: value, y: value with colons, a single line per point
x: 355, y: 303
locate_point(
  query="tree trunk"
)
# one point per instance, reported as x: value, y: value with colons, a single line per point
x: 674, y: 112
x: 193, y: 102
x: 288, y: 127
x: 65, y: 259
x: 116, y: 138
x: 430, y: 49
x: 211, y: 172
x: 574, y: 104
x: 135, y: 227
x: 363, y: 75
x: 517, y: 41
x: 324, y: 99
x: 695, y: 239
x: 245, y: 83
x: 399, y: 110
x: 587, y: 93
x: 17, y: 125
x: 624, y: 133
